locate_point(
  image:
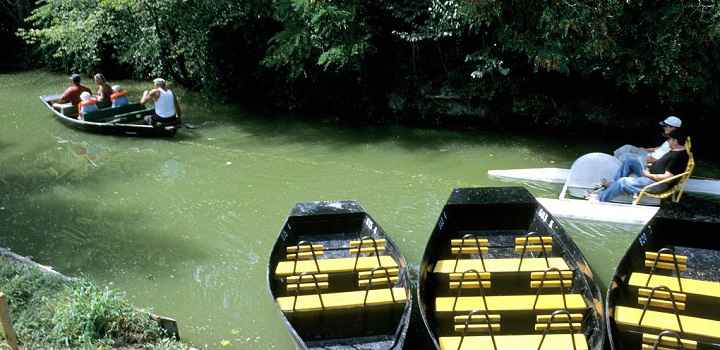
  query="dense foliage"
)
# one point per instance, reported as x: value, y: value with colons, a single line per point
x: 549, y: 62
x: 49, y: 312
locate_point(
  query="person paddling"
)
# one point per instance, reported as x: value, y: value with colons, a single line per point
x: 72, y: 93
x: 167, y: 109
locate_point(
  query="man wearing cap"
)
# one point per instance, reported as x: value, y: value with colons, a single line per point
x: 670, y: 164
x: 167, y: 109
x: 634, y: 158
x: 72, y: 94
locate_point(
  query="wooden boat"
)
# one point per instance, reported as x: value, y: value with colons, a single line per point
x: 665, y: 293
x: 339, y: 280
x: 127, y: 119
x: 499, y: 273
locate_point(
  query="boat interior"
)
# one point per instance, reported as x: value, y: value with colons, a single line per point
x: 131, y: 113
x: 506, y: 280
x: 330, y: 270
x: 666, y: 292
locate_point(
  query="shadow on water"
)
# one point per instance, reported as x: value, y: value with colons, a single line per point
x: 42, y: 217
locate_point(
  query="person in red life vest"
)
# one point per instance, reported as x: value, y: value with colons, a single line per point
x: 87, y: 104
x: 167, y: 109
x: 72, y: 94
x: 119, y: 96
x: 104, y: 91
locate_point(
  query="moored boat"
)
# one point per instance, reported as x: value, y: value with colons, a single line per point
x: 500, y: 273
x: 665, y: 293
x: 128, y: 119
x: 339, y: 280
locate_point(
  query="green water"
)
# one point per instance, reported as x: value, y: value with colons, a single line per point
x: 185, y: 225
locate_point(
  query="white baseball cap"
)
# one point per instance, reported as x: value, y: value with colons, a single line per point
x: 159, y: 81
x: 85, y: 96
x: 672, y: 121
x: 116, y: 87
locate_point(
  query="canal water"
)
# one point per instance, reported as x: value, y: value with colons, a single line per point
x: 185, y: 225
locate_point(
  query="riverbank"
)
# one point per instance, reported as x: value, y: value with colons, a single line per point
x: 50, y: 310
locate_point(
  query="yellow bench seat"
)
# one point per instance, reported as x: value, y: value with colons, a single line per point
x: 516, y: 342
x: 659, y: 321
x: 364, y: 263
x: 690, y: 286
x: 499, y: 303
x: 500, y: 265
x: 342, y: 300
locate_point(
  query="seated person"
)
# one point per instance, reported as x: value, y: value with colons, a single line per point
x: 72, y: 94
x: 167, y: 109
x: 119, y: 96
x: 104, y: 91
x: 87, y: 104
x: 672, y: 163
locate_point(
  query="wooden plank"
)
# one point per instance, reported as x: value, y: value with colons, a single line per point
x: 666, y: 304
x: 628, y: 317
x: 559, y: 317
x: 7, y: 328
x: 370, y: 250
x: 323, y: 277
x: 650, y: 347
x: 378, y: 281
x: 470, y: 284
x: 377, y: 273
x: 343, y: 300
x: 498, y: 303
x: 665, y: 265
x: 368, y: 243
x: 364, y: 263
x: 681, y: 259
x: 563, y: 326
x: 551, y: 284
x: 533, y: 248
x: 304, y: 248
x: 470, y: 276
x: 690, y: 286
x: 516, y: 342
x: 534, y: 240
x: 661, y: 294
x: 493, y: 318
x: 500, y: 265
x: 307, y: 286
x: 551, y: 275
x: 469, y: 250
x: 669, y: 341
x: 304, y: 255
x: 469, y: 242
x: 476, y: 327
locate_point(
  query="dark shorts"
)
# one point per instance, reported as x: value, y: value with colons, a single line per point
x: 158, y: 120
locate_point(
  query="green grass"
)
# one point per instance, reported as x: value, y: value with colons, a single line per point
x: 51, y: 313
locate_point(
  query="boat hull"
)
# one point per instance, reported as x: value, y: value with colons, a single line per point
x: 328, y: 223
x: 501, y: 214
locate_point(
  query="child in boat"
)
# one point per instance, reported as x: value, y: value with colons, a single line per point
x: 119, y: 96
x: 87, y: 104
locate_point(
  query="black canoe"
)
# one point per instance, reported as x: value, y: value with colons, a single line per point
x: 342, y: 307
x: 127, y: 120
x: 490, y: 277
x: 681, y: 236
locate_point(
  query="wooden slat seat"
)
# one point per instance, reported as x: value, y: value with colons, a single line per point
x: 665, y: 304
x: 323, y: 277
x: 500, y: 265
x: 666, y: 261
x: 500, y: 303
x: 533, y: 240
x: 533, y: 248
x: 681, y: 259
x: 367, y: 250
x: 628, y: 317
x: 378, y: 273
x: 558, y: 326
x: 469, y: 242
x: 368, y: 243
x: 493, y: 318
x: 342, y: 300
x: 469, y: 250
x: 364, y: 263
x: 476, y: 327
x: 291, y: 287
x: 304, y: 255
x: 304, y: 248
x: 559, y: 318
x: 516, y: 342
x: 377, y: 281
x: 662, y: 294
x: 690, y: 286
x: 667, y: 342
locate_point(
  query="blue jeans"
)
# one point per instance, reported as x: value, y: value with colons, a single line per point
x: 629, y: 185
x: 630, y: 165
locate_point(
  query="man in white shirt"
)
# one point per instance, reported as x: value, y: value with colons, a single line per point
x: 634, y: 159
x: 167, y: 109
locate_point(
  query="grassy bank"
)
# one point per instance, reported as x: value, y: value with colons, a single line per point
x: 50, y: 312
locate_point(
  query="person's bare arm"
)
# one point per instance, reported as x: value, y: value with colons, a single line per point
x: 64, y: 98
x: 657, y: 177
x: 148, y: 95
x: 178, y: 112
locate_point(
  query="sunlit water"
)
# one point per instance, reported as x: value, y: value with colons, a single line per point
x: 185, y: 225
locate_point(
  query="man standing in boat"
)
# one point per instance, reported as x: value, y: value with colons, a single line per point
x: 672, y: 163
x: 167, y: 109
